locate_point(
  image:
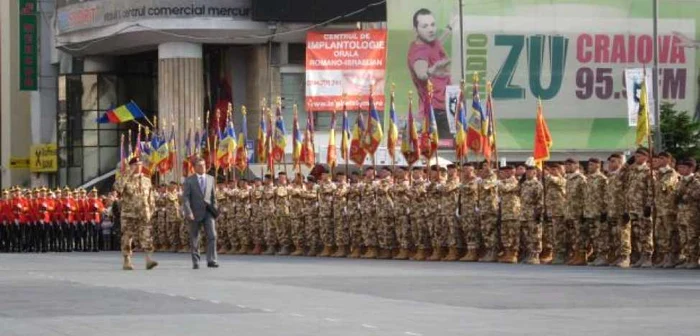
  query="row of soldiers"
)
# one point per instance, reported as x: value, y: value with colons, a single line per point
x: 42, y: 220
x: 560, y: 215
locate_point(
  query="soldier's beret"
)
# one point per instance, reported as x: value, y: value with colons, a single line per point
x: 356, y: 173
x: 339, y: 174
x: 570, y: 161
x: 369, y: 168
x: 521, y: 165
x: 507, y: 167
x: 257, y: 179
x: 642, y: 150
x: 615, y: 156
x: 689, y: 162
x: 530, y: 167
x: 467, y: 164
x: 443, y: 169
x: 403, y: 168
x: 135, y: 160
x: 173, y: 183
x: 310, y: 178
x: 417, y: 168
x: 388, y: 169
x: 594, y: 160
x: 281, y: 174
x: 268, y: 176
x: 451, y: 166
x: 666, y: 155
x: 434, y: 168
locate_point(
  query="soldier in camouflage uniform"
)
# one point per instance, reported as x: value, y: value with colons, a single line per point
x: 576, y: 232
x: 173, y: 216
x: 241, y: 216
x: 282, y: 195
x: 639, y: 202
x: 418, y: 206
x: 594, y: 216
x: 158, y: 221
x: 666, y: 225
x: 509, y: 193
x: 402, y: 200
x: 257, y: 216
x: 297, y: 202
x: 433, y: 214
x: 326, y: 223
x: 368, y: 209
x: 385, y: 229
x: 488, y: 211
x: 354, y: 217
x: 553, y: 230
x: 618, y: 221
x: 224, y: 220
x: 531, y: 215
x: 268, y: 216
x: 138, y: 201
x: 340, y: 217
x: 450, y: 204
x: 468, y: 212
x: 688, y: 198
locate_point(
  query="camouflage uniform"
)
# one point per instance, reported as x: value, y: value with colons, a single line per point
x: 576, y: 231
x: 488, y: 210
x: 450, y: 204
x: 354, y: 215
x: 509, y: 192
x: 158, y: 223
x: 531, y: 215
x: 639, y: 191
x: 282, y: 194
x: 384, y: 231
x: 312, y: 232
x: 469, y: 214
x: 340, y: 216
x: 138, y: 202
x: 402, y: 200
x: 257, y: 215
x: 554, y: 230
x: 297, y: 202
x: 326, y: 222
x: 184, y: 230
x: 268, y: 213
x: 615, y: 207
x: 224, y: 219
x: 369, y: 214
x: 666, y: 226
x: 593, y: 209
x: 688, y: 195
x: 242, y: 220
x: 419, y: 205
x: 437, y: 226
x: 173, y: 219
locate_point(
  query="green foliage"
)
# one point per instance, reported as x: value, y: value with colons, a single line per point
x: 680, y: 133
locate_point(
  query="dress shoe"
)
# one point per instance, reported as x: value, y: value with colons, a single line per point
x: 213, y: 264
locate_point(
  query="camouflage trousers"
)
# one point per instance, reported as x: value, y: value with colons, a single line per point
x: 419, y: 228
x: 438, y: 230
x: 532, y: 235
x: 355, y: 228
x: 312, y: 232
x: 257, y: 229
x: 325, y: 227
x: 222, y: 231
x: 232, y: 232
x: 184, y: 234
x: 173, y: 233
x: 386, y: 233
x: 581, y: 236
x: 369, y: 228
x: 564, y: 235
x: 455, y: 236
x: 158, y: 232
x: 620, y: 236
x: 510, y: 235
x: 599, y: 236
x: 470, y: 231
x: 548, y: 234
x: 284, y: 235
x: 489, y: 228
x: 243, y: 229
x: 642, y: 234
x: 688, y: 230
x: 342, y: 231
x: 666, y: 230
x: 132, y: 229
x: 270, y: 230
x: 404, y: 232
x: 298, y: 231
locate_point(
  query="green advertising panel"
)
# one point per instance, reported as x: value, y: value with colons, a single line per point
x: 570, y: 54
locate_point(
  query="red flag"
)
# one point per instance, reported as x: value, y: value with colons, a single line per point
x: 543, y: 139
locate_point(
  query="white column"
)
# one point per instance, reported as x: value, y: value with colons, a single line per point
x: 180, y: 92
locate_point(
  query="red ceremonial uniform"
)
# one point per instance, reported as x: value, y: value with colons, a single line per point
x: 3, y: 210
x: 83, y: 212
x: 66, y: 210
x: 19, y: 210
x: 45, y: 207
x: 93, y: 210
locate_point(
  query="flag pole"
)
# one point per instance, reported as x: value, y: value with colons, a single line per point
x: 408, y: 136
x: 460, y: 105
x: 430, y: 101
x: 393, y: 150
x: 650, y: 141
x: 492, y: 123
x: 284, y: 156
x: 347, y: 151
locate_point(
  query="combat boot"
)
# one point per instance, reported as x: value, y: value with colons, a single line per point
x: 384, y: 254
x: 472, y: 255
x: 509, y: 257
x: 420, y: 255
x: 579, y: 259
x: 660, y: 258
x: 559, y: 259
x: 150, y: 263
x: 284, y: 251
x: 490, y: 256
x: 403, y: 254
x: 436, y: 255
x: 222, y: 250
x: 452, y: 255
x: 546, y: 256
x: 601, y: 260
x: 623, y: 262
x: 127, y: 264
x: 342, y: 252
x: 532, y: 258
x: 298, y: 251
x: 356, y: 252
x: 326, y: 252
x: 270, y: 250
x: 668, y: 261
x: 646, y: 261
x: 257, y: 250
x: 371, y: 253
x: 173, y: 249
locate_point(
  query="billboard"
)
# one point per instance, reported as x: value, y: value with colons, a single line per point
x: 571, y: 54
x: 345, y: 63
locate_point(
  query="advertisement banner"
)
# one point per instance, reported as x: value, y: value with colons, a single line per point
x: 345, y: 63
x: 28, y: 46
x: 570, y: 54
x: 633, y: 78
x: 43, y: 159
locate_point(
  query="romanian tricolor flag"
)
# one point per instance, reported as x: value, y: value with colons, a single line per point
x: 357, y: 151
x: 409, y: 140
x: 461, y: 130
x: 488, y: 125
x: 241, y: 156
x: 373, y: 134
x: 308, y: 150
x: 332, y: 156
x: 187, y: 167
x: 393, y: 133
x: 296, y: 140
x: 429, y: 138
x: 161, y: 150
x: 261, y: 148
x: 345, y: 137
x: 477, y: 119
x: 124, y: 113
x: 543, y: 139
x: 227, y: 146
x: 167, y: 164
x: 143, y: 150
x: 280, y: 136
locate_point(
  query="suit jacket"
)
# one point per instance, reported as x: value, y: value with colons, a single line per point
x: 194, y: 201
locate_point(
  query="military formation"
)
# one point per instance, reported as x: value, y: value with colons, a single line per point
x: 43, y: 220
x: 639, y: 213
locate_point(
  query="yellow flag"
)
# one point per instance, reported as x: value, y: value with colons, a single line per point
x: 643, y: 115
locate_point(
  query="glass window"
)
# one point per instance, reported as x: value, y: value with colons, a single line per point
x: 107, y: 92
x: 75, y: 157
x: 109, y: 158
x: 63, y: 176
x: 91, y: 163
x: 75, y: 176
x: 90, y: 92
x: 293, y: 88
x: 90, y: 119
x: 109, y: 138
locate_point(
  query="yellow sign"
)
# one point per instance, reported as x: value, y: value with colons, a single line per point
x: 43, y: 159
x: 19, y: 163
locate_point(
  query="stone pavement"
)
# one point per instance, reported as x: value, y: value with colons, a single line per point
x: 89, y: 294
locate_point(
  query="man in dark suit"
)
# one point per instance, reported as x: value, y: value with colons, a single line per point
x: 199, y: 206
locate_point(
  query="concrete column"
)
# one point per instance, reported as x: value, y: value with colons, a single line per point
x: 258, y: 78
x: 180, y: 91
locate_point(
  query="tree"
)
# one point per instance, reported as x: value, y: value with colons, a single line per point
x: 680, y: 133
